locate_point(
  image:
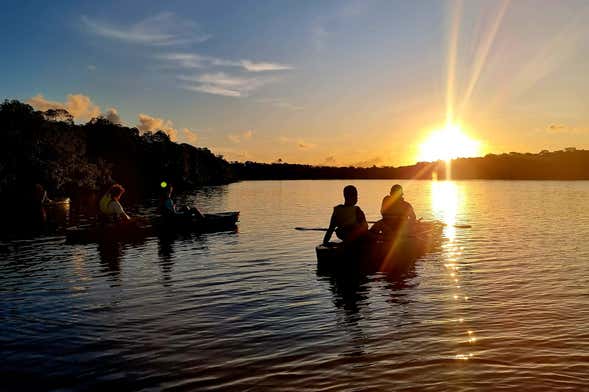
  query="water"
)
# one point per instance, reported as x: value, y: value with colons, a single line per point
x: 503, y: 305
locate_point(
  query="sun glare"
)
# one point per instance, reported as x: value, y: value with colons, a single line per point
x: 448, y: 143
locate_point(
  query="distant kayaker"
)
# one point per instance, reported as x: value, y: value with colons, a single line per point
x: 348, y: 220
x: 396, y: 212
x: 169, y: 209
x: 39, y: 200
x: 110, y: 205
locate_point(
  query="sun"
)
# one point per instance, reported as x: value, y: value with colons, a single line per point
x: 448, y: 143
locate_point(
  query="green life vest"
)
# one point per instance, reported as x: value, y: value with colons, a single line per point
x: 103, y: 204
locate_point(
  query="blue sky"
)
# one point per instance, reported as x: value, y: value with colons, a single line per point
x: 338, y: 82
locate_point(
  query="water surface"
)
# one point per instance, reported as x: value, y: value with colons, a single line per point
x: 503, y: 305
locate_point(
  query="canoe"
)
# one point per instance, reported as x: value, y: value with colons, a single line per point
x: 376, y: 253
x: 135, y: 231
x: 57, y: 202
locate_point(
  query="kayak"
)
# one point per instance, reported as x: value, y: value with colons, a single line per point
x: 57, y: 202
x: 374, y: 252
x: 135, y: 231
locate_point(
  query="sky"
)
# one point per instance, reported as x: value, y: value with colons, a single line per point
x: 321, y: 82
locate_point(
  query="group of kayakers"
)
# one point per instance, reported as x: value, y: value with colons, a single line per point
x: 349, y: 222
x: 111, y: 210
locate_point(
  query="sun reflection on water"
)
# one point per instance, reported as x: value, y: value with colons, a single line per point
x: 445, y: 203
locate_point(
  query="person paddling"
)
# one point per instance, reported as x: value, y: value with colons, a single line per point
x: 348, y: 220
x: 110, y: 205
x: 168, y: 207
x: 396, y: 212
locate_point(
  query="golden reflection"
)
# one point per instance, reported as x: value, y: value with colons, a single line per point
x: 445, y: 202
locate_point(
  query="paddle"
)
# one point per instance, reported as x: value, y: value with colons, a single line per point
x: 458, y: 226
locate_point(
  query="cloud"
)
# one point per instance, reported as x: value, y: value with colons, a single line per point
x: 330, y: 160
x: 238, y: 138
x: 260, y: 67
x: 557, y: 127
x: 300, y: 143
x: 190, y: 136
x: 148, y: 123
x: 112, y: 115
x: 279, y: 103
x: 566, y: 129
x: 163, y: 29
x: 79, y: 106
x: 195, y: 60
x: 221, y: 83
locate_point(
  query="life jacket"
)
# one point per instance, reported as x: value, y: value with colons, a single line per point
x: 345, y: 216
x: 104, y: 204
x: 394, y: 208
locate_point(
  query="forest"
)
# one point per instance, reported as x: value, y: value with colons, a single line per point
x: 68, y: 159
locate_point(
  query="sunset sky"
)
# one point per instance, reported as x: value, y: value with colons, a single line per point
x: 321, y: 82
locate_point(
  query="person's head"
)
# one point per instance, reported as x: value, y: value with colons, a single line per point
x: 116, y: 191
x: 397, y: 191
x: 350, y: 195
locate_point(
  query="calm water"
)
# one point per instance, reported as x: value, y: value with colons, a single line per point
x: 503, y: 305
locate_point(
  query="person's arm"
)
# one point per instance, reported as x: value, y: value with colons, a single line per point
x: 331, y: 229
x: 361, y: 218
x: 384, y: 205
x: 411, y: 212
x: 118, y: 210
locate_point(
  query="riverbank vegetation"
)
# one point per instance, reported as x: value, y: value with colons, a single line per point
x: 48, y: 148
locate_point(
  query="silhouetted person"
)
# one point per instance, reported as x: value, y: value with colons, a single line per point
x: 38, y: 213
x: 110, y: 206
x: 169, y: 210
x: 348, y: 221
x: 396, y: 212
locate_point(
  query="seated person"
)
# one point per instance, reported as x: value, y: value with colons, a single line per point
x: 348, y: 221
x: 168, y: 207
x: 396, y: 213
x: 110, y: 206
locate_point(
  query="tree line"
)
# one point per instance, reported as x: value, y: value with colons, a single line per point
x: 48, y: 148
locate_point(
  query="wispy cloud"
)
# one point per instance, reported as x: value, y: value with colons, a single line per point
x: 238, y: 138
x: 224, y: 84
x: 300, y: 143
x: 562, y: 129
x: 163, y: 29
x: 279, y: 103
x: 195, y: 60
x: 260, y: 67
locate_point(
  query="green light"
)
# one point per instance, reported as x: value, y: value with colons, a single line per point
x: 163, y: 184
